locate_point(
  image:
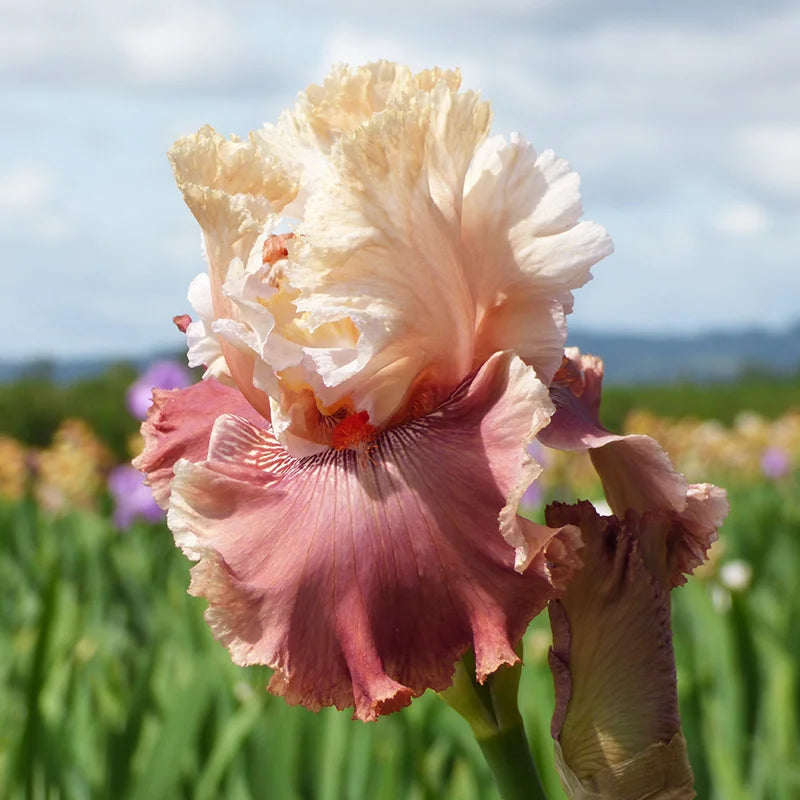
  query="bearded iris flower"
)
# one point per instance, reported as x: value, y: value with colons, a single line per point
x: 159, y: 375
x: 132, y: 499
x: 384, y: 311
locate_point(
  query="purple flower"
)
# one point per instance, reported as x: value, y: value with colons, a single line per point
x: 532, y: 498
x: 160, y: 375
x: 775, y: 463
x: 534, y: 494
x: 132, y: 498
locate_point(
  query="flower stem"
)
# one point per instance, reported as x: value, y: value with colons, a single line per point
x: 493, y: 714
x: 508, y: 755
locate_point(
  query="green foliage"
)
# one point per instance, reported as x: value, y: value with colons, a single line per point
x: 32, y: 408
x: 768, y: 395
x: 739, y: 670
x: 112, y: 686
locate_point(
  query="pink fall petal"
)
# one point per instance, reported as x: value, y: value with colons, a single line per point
x: 178, y: 425
x: 361, y: 577
x: 635, y: 471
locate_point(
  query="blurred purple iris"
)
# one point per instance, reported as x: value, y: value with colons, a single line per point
x: 132, y: 499
x: 775, y: 463
x: 160, y: 375
x: 534, y: 494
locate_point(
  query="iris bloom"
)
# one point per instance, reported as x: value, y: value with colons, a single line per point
x: 70, y: 473
x: 13, y: 469
x: 132, y: 498
x: 159, y: 375
x: 384, y: 311
x: 775, y: 463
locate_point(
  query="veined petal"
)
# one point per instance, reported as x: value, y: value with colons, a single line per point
x: 362, y: 577
x: 528, y: 248
x: 178, y: 425
x: 616, y: 721
x: 636, y: 473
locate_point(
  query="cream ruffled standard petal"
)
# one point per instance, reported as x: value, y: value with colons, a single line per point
x: 303, y: 137
x: 235, y: 191
x: 616, y: 724
x: 527, y: 249
x: 362, y: 577
x: 635, y: 472
x: 421, y: 248
x: 380, y: 245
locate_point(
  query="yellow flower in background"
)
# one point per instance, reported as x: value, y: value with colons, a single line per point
x: 13, y: 469
x: 71, y: 472
x: 752, y: 448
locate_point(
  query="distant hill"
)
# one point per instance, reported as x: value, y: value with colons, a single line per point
x: 714, y: 356
x: 75, y: 369
x: 629, y: 358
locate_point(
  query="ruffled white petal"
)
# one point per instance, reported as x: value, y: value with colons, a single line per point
x: 527, y: 248
x: 204, y: 348
x: 380, y: 245
x: 303, y: 137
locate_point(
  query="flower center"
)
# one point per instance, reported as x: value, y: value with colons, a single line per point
x: 353, y: 432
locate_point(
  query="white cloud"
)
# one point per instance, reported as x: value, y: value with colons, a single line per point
x: 178, y: 43
x: 346, y: 45
x: 24, y: 187
x: 196, y: 44
x: 745, y: 218
x: 28, y: 203
x: 769, y: 156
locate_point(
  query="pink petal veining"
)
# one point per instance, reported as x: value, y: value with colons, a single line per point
x: 362, y: 577
x: 178, y: 425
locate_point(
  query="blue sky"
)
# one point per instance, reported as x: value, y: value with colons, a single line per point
x: 683, y: 120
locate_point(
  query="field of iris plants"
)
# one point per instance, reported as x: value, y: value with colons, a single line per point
x: 111, y: 685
